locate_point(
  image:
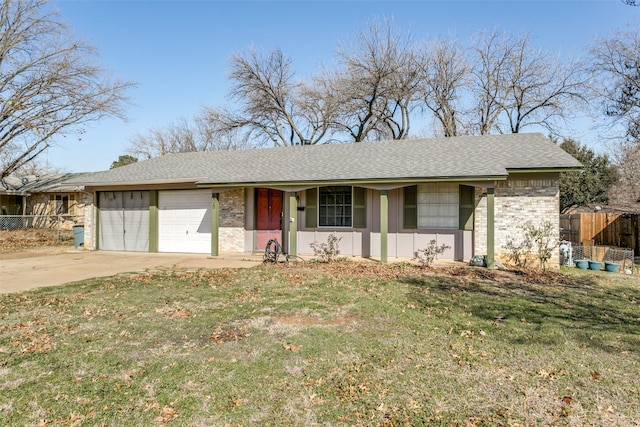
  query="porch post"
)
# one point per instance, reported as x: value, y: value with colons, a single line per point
x: 215, y: 214
x: 384, y: 224
x: 153, y: 221
x: 293, y: 225
x: 490, y: 228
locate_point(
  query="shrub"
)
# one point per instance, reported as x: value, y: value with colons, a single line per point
x: 430, y: 253
x: 518, y: 253
x: 328, y: 251
x: 544, y: 239
x: 540, y: 238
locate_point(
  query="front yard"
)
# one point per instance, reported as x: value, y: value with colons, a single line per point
x: 12, y: 241
x: 325, y: 344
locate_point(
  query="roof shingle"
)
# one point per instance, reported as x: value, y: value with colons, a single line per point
x: 470, y: 157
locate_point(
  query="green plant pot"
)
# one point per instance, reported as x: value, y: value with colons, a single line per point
x: 582, y: 264
x: 595, y: 265
x: 611, y: 267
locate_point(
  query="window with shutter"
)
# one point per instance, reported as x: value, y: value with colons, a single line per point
x: 410, y: 208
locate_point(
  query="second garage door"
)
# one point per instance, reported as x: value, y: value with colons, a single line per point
x: 124, y: 221
x: 184, y: 221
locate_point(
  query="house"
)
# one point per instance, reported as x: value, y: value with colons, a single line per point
x: 384, y: 199
x: 40, y: 198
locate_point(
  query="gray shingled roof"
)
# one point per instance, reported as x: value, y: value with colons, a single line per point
x: 472, y: 157
x: 39, y: 184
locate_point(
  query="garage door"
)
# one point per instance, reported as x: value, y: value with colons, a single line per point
x: 124, y: 221
x: 184, y: 221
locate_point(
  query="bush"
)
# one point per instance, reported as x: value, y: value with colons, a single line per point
x: 544, y: 239
x: 430, y: 253
x: 541, y: 238
x: 329, y: 251
x: 518, y: 253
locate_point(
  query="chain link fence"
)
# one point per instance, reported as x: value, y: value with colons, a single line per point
x: 61, y: 226
x: 623, y: 258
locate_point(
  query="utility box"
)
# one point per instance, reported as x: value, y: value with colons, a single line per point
x: 78, y: 236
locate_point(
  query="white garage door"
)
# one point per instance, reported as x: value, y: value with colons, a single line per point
x: 184, y: 221
x: 124, y: 221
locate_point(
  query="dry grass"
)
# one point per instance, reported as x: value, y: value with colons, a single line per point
x: 325, y: 344
x: 18, y: 240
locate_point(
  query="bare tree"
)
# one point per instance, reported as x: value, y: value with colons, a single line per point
x: 517, y: 85
x: 198, y: 134
x: 543, y: 89
x: 491, y: 57
x: 49, y: 85
x: 616, y: 79
x: 444, y: 78
x: 213, y: 139
x: 159, y: 141
x: 626, y: 155
x: 375, y: 85
x: 273, y: 107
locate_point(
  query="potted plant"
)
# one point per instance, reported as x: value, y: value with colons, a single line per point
x: 611, y: 267
x: 595, y: 265
x: 582, y: 264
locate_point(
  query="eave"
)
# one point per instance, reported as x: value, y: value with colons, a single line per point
x: 359, y: 182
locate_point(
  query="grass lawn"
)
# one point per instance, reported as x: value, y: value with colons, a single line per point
x: 325, y: 344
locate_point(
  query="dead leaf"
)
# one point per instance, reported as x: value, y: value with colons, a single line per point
x: 292, y: 348
x: 168, y: 413
x: 234, y: 402
x: 595, y: 375
x: 567, y: 400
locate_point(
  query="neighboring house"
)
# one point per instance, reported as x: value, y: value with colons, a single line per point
x: 383, y: 199
x: 43, y: 196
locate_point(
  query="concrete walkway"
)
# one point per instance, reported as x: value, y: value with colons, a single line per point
x: 29, y: 270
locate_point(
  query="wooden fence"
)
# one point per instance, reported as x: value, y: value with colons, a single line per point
x: 602, y: 229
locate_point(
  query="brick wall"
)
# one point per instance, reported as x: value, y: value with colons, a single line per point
x: 90, y: 238
x: 518, y: 200
x: 231, y: 221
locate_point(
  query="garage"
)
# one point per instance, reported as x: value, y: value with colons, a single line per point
x: 184, y: 221
x: 124, y: 221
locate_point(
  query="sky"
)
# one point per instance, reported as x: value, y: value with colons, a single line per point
x: 177, y: 52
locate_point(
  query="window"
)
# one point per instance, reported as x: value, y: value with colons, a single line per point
x: 438, y: 205
x: 343, y: 206
x: 334, y: 206
x: 62, y: 204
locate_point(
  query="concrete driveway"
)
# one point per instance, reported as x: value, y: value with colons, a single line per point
x: 29, y: 270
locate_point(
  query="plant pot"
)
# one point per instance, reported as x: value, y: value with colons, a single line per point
x: 611, y: 267
x: 582, y: 264
x: 595, y: 265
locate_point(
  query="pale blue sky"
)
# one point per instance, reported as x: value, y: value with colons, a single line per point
x: 178, y: 51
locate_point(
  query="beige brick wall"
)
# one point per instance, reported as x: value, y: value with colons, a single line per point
x: 231, y: 237
x: 518, y: 200
x: 90, y: 238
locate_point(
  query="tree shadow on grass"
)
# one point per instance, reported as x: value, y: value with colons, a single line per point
x: 592, y: 314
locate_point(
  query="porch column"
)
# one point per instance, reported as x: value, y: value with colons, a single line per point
x: 490, y: 228
x: 293, y: 224
x: 384, y: 224
x: 215, y: 215
x: 153, y: 221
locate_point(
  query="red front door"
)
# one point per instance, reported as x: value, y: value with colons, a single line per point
x: 268, y: 217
